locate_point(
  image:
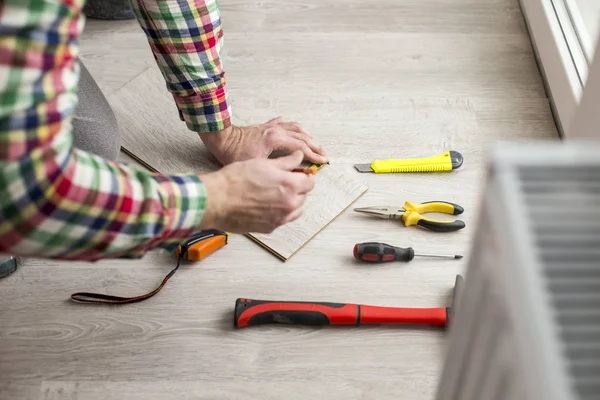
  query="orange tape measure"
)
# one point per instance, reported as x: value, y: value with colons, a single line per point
x: 202, y: 244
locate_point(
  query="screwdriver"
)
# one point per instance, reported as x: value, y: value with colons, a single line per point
x: 376, y: 252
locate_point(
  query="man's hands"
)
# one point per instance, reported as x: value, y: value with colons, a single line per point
x: 257, y: 196
x: 259, y: 141
x: 253, y: 193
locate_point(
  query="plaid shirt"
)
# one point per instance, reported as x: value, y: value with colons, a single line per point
x: 57, y: 201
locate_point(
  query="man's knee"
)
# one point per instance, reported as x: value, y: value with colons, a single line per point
x: 95, y: 127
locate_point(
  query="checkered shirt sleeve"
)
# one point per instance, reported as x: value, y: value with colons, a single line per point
x: 186, y: 39
x: 57, y: 201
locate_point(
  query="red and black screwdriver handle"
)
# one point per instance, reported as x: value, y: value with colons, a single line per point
x: 249, y: 312
x: 377, y: 252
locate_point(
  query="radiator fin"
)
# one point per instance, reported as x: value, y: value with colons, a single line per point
x: 563, y: 207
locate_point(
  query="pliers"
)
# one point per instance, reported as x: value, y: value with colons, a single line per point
x: 411, y: 214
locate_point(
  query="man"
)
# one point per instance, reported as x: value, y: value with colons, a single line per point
x: 63, y: 196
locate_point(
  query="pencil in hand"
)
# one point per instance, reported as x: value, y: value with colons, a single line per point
x: 310, y: 170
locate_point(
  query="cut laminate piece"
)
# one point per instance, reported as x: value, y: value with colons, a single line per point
x: 153, y: 134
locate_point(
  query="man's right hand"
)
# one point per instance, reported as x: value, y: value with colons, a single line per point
x: 257, y: 195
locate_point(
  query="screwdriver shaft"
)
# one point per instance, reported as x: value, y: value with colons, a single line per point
x: 453, y: 256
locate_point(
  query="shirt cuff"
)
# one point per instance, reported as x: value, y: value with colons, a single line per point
x: 182, y: 201
x: 205, y: 111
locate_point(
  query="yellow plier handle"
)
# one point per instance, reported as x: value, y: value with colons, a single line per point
x: 412, y: 215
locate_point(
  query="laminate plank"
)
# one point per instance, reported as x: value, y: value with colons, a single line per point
x: 115, y: 52
x: 464, y: 16
x: 152, y: 133
x: 340, y: 62
x: 343, y: 64
x: 203, y: 389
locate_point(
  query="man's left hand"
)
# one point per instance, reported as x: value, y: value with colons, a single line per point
x: 260, y: 141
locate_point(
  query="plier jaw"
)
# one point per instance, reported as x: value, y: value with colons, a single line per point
x: 387, y: 212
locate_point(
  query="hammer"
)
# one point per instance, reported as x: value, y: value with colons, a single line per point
x: 250, y: 312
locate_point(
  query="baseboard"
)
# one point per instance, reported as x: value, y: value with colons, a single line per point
x: 555, y: 61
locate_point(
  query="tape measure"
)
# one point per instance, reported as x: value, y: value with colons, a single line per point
x: 202, y: 244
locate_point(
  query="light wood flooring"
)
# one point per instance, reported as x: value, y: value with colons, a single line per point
x: 370, y: 79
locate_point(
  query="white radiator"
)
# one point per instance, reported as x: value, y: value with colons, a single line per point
x: 527, y: 324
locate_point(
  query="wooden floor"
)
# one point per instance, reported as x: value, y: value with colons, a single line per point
x: 370, y: 79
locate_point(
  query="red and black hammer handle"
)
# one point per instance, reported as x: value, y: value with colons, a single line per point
x: 250, y: 312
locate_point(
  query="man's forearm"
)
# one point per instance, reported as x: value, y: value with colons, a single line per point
x: 186, y: 39
x: 57, y: 201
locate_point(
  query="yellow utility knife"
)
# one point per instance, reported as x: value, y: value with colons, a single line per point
x: 448, y: 161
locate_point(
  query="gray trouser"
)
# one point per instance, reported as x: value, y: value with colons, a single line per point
x: 95, y: 126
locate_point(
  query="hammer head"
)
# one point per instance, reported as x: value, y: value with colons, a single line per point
x: 450, y: 311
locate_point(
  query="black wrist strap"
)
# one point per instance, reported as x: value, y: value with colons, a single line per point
x: 85, y: 297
